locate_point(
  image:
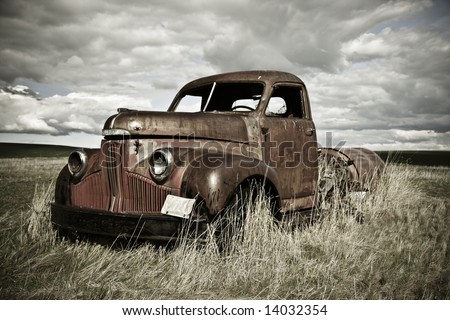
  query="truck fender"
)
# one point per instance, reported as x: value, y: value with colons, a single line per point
x: 215, y: 177
x: 62, y: 190
x: 363, y: 166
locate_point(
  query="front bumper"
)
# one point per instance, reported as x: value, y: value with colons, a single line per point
x: 156, y: 227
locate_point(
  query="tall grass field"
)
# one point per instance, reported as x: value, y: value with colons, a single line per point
x: 400, y: 251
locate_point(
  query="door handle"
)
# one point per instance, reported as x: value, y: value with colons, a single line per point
x: 310, y: 131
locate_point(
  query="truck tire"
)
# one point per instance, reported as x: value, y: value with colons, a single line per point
x: 230, y: 223
x: 334, y: 186
x: 333, y: 183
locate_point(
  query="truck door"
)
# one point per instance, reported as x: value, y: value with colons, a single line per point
x: 290, y: 144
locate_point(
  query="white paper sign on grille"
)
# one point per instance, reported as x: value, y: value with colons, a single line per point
x: 178, y: 206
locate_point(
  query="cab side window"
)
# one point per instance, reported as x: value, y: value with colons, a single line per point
x: 286, y: 101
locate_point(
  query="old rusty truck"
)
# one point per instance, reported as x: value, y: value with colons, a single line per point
x: 156, y: 174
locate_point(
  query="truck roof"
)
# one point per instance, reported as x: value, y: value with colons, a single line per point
x: 267, y: 76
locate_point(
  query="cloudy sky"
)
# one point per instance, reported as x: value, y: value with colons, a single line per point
x: 378, y: 72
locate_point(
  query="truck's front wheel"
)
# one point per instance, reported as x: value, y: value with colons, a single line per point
x: 230, y: 224
x: 247, y: 202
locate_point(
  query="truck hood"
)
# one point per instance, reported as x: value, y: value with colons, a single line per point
x: 219, y: 126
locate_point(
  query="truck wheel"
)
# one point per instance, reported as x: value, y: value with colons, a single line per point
x: 334, y: 188
x: 230, y: 224
x: 333, y: 182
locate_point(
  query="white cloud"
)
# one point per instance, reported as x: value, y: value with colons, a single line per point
x: 29, y: 122
x: 73, y: 62
x: 370, y: 46
x: 391, y: 139
x: 62, y: 115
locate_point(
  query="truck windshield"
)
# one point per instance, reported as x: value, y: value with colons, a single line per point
x: 221, y: 97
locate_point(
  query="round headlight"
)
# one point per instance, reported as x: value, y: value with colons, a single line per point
x: 161, y: 164
x: 77, y: 163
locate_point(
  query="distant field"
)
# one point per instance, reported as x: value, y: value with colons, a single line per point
x: 419, y: 158
x: 19, y: 150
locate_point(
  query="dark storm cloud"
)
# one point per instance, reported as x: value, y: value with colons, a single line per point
x: 231, y: 35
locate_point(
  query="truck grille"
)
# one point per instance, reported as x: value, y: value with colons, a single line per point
x: 117, y: 190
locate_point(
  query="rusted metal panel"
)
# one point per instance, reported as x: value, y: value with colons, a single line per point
x: 268, y: 77
x: 293, y: 153
x: 368, y: 164
x: 228, y: 127
x: 91, y: 193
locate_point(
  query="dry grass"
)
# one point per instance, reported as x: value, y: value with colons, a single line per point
x: 400, y: 251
